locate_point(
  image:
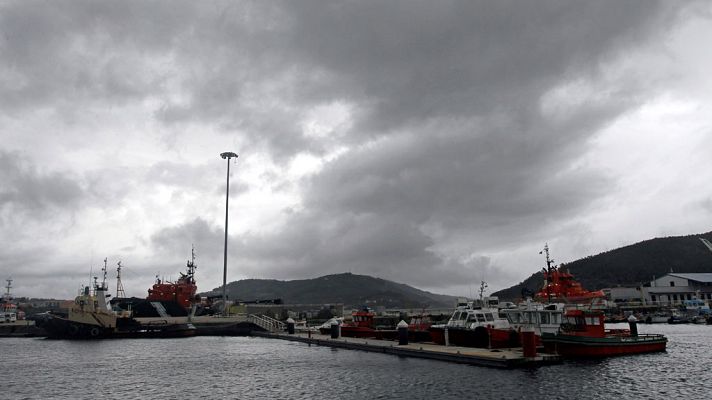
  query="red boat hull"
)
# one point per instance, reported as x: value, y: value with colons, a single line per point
x: 577, y: 346
x: 481, y: 337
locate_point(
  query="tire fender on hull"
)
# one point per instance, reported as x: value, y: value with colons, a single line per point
x: 481, y: 337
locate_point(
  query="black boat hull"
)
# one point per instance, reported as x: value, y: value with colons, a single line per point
x: 62, y: 328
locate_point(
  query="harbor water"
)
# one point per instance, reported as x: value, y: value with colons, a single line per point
x: 258, y: 368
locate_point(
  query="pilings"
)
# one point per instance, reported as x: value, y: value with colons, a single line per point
x: 633, y: 325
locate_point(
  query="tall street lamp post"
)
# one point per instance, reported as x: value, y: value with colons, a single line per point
x: 228, y: 156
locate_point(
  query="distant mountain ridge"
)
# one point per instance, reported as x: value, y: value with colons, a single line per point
x: 631, y: 265
x: 350, y: 289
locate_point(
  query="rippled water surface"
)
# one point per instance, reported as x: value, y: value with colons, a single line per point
x: 256, y: 368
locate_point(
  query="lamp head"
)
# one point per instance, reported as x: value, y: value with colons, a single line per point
x: 228, y: 155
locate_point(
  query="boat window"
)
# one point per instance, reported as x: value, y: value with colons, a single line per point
x: 527, y: 317
x: 556, y: 319
x: 463, y: 315
x: 544, y: 317
x: 592, y: 320
x: 471, y: 318
x: 480, y: 318
x: 489, y: 317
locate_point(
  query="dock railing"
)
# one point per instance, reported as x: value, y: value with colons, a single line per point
x: 267, y: 323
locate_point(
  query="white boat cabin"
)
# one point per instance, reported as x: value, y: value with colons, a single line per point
x: 537, y: 317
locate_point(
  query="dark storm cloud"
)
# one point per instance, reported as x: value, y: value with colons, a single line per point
x: 451, y: 97
x: 173, y: 240
x: 78, y: 51
x: 406, y: 62
x: 452, y: 153
x: 256, y: 66
x: 26, y: 190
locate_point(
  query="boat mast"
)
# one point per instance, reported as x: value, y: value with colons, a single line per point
x: 191, y: 265
x: 7, y: 295
x: 103, y: 282
x: 119, y: 286
x: 549, y: 270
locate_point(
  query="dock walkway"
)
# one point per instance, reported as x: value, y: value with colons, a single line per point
x: 498, y: 358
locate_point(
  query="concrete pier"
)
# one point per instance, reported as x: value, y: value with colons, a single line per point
x: 498, y: 358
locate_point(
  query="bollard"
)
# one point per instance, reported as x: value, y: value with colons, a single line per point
x: 290, y: 326
x: 334, y: 329
x: 633, y: 324
x: 402, y: 333
x: 447, y: 337
x: 528, y: 344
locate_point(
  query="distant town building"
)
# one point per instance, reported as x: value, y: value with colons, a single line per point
x: 675, y: 288
x: 624, y: 294
x: 672, y: 289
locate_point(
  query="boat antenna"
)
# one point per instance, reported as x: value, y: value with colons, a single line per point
x: 483, y: 286
x: 547, y: 271
x: 103, y: 282
x: 119, y: 286
x: 8, y: 287
x: 191, y: 265
x: 91, y: 272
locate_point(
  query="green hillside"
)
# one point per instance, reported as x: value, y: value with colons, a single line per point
x: 630, y: 265
x: 349, y: 289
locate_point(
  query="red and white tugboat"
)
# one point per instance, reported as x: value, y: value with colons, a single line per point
x: 560, y: 285
x: 583, y: 335
x: 165, y: 299
x: 361, y: 324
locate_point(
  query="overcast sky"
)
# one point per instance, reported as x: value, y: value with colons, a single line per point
x: 433, y: 143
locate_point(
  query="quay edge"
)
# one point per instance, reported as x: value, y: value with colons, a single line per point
x: 499, y: 358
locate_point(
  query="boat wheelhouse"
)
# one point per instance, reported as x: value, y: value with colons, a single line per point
x: 536, y: 317
x: 478, y: 324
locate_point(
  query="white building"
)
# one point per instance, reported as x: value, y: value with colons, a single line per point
x: 675, y: 288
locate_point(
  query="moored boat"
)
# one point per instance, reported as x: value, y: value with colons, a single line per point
x: 583, y: 334
x: 560, y: 285
x: 165, y: 298
x: 535, y: 317
x: 477, y: 324
x: 9, y: 312
x: 361, y: 324
x: 90, y: 317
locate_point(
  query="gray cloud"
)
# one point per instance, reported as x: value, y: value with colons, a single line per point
x: 457, y: 145
x: 27, y: 191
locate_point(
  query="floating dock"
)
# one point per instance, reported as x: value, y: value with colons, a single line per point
x: 497, y: 358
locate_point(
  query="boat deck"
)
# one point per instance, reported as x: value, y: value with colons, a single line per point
x: 498, y: 358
